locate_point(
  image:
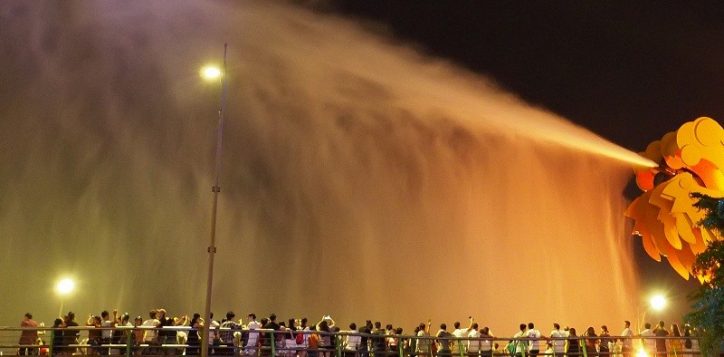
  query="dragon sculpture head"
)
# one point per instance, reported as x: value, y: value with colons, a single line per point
x: 690, y: 159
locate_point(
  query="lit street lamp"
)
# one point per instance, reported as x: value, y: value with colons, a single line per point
x: 656, y: 302
x: 63, y: 288
x: 211, y: 73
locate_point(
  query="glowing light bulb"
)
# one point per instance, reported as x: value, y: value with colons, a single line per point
x: 658, y: 302
x: 210, y: 72
x: 65, y: 286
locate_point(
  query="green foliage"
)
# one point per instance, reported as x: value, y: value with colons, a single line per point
x: 714, y: 212
x: 708, y: 314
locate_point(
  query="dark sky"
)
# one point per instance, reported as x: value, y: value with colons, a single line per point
x: 629, y: 71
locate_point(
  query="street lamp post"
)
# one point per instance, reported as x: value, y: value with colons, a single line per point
x: 63, y: 288
x: 216, y: 188
x: 656, y: 302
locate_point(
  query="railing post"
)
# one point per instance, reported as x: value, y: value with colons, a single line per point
x: 273, y: 344
x: 129, y: 343
x: 50, y: 343
x: 338, y: 344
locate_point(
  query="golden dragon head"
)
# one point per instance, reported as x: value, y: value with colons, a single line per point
x: 690, y: 159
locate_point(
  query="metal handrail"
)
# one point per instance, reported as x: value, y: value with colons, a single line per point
x: 264, y: 344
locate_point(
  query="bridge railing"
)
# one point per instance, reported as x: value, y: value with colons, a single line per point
x: 183, y: 340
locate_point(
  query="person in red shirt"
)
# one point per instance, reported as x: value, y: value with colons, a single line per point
x: 28, y: 337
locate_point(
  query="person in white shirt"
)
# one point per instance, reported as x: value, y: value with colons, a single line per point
x: 474, y: 341
x: 213, y: 333
x: 107, y: 324
x: 519, y: 344
x: 304, y: 339
x: 486, y: 342
x: 253, y: 341
x: 352, y: 341
x: 626, y: 339
x: 533, y: 344
x: 150, y: 335
x: 558, y: 340
x: 458, y: 333
x: 424, y: 344
x: 648, y: 343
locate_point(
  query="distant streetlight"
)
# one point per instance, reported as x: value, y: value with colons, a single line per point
x: 658, y: 302
x: 209, y: 73
x: 63, y: 288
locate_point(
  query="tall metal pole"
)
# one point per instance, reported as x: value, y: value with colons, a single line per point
x: 216, y: 188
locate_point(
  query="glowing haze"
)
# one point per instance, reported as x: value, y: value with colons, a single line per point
x: 359, y: 179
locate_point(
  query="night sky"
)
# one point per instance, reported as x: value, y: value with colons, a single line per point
x: 628, y: 71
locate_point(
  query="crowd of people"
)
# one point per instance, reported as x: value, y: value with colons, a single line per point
x: 160, y: 334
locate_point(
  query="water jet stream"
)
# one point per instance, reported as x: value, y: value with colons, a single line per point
x: 362, y: 179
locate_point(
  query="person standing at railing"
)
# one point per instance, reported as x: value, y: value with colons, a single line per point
x: 473, y: 344
x: 325, y: 339
x: 661, y: 332
x: 390, y: 340
x: 605, y: 342
x: 150, y: 334
x: 486, y: 342
x: 517, y: 346
x: 70, y: 334
x: 107, y: 324
x: 444, y: 339
x: 193, y: 339
x: 252, y: 342
x: 290, y: 341
x: 271, y: 337
x: 573, y: 343
x: 394, y: 342
x: 649, y: 344
x: 378, y: 340
x: 352, y: 341
x: 314, y: 341
x: 691, y: 344
x: 29, y: 336
x: 95, y: 338
x: 590, y: 342
x: 366, y: 330
x: 557, y: 340
x: 213, y: 333
x: 627, y: 339
x: 167, y: 334
x: 424, y: 343
x: 303, y: 337
x: 458, y: 345
x: 411, y: 344
x: 676, y: 345
x: 58, y: 338
x: 533, y: 342
x: 137, y: 335
x: 228, y: 327
x: 120, y: 336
